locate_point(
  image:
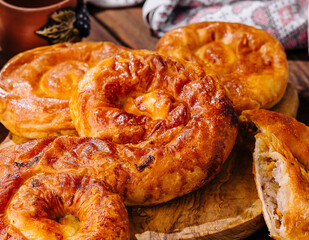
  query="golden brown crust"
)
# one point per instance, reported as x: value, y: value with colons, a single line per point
x: 36, y: 85
x: 141, y: 176
x: 58, y: 205
x: 281, y: 172
x: 251, y: 64
x: 184, y: 148
x: 288, y: 130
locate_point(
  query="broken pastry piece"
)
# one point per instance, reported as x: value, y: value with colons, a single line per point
x: 281, y: 172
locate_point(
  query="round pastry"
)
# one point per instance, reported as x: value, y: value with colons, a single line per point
x: 165, y: 111
x: 281, y: 161
x: 64, y: 205
x: 36, y: 85
x: 166, y: 130
x: 250, y: 63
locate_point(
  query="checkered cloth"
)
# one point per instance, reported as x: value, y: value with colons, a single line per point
x: 287, y: 20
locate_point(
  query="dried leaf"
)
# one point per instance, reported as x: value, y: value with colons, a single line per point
x: 60, y: 27
x: 64, y: 16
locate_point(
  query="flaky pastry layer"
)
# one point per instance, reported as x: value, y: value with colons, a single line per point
x: 281, y: 172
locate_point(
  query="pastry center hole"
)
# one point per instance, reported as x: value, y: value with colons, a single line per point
x: 155, y: 105
x: 62, y: 79
x: 69, y: 224
x: 218, y: 56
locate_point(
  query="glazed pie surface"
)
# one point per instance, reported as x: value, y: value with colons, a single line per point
x: 36, y: 86
x: 250, y: 63
x: 64, y: 205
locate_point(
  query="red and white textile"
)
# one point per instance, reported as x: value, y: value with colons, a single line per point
x: 287, y: 20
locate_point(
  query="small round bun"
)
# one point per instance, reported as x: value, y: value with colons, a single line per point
x: 36, y: 85
x: 250, y: 63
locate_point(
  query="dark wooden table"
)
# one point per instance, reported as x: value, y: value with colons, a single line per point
x: 126, y: 27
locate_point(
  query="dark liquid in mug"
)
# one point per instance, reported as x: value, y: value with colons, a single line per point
x: 32, y: 3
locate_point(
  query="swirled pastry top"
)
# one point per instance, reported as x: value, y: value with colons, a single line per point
x: 141, y: 97
x: 36, y: 85
x: 64, y: 205
x: 250, y: 63
x: 281, y: 161
x: 166, y: 130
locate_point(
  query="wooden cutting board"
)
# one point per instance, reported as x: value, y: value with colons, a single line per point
x: 226, y: 208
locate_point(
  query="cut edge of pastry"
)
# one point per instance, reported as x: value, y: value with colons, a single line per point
x: 272, y: 181
x: 282, y: 183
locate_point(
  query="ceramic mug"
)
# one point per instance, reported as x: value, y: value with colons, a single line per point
x: 32, y: 23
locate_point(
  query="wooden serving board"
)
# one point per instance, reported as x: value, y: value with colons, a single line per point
x: 226, y: 208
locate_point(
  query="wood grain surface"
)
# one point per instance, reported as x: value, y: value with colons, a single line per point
x: 189, y: 216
